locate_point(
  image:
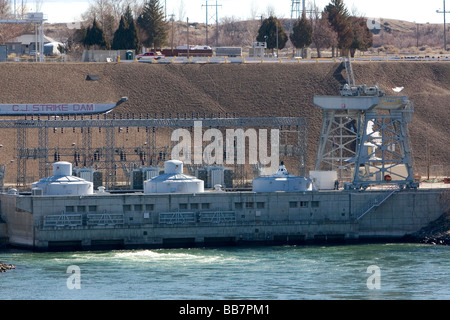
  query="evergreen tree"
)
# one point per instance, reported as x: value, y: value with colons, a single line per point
x: 152, y: 23
x: 301, y: 36
x: 268, y: 33
x: 133, y: 37
x: 95, y: 36
x: 126, y: 37
x: 362, y: 36
x: 340, y: 21
x: 87, y: 37
x: 121, y: 36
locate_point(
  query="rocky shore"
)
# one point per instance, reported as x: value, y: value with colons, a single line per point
x: 437, y: 232
x: 5, y: 267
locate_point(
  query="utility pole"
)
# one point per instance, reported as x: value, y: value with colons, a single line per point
x: 172, y: 19
x: 187, y: 20
x: 445, y: 26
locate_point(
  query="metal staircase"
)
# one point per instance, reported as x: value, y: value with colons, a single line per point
x: 376, y: 202
x: 349, y: 70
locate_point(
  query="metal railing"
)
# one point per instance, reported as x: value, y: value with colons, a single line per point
x: 177, y: 217
x: 218, y: 217
x: 105, y: 219
x: 63, y: 220
x: 375, y: 202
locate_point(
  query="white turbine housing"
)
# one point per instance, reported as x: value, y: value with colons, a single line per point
x: 173, y: 181
x: 62, y: 183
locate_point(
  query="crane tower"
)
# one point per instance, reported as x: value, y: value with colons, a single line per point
x: 365, y: 136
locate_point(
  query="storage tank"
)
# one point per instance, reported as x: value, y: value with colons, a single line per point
x: 282, y: 181
x: 174, y: 181
x: 63, y: 183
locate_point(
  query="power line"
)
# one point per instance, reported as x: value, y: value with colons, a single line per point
x: 214, y: 16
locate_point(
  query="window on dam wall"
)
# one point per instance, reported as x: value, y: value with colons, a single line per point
x: 315, y: 204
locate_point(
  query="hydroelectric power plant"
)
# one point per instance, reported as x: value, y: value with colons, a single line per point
x: 361, y: 189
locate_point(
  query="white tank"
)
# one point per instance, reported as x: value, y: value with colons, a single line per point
x: 282, y: 181
x: 63, y: 183
x: 174, y: 181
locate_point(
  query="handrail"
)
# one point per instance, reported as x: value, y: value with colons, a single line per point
x: 376, y: 202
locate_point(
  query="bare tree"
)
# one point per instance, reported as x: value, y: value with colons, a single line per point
x: 232, y: 31
x: 5, y: 9
x: 270, y: 11
x: 323, y: 35
x: 9, y: 31
x: 253, y: 10
x: 107, y: 13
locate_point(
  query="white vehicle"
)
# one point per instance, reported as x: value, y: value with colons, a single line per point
x: 151, y: 55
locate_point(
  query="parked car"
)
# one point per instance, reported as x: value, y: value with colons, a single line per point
x: 151, y: 55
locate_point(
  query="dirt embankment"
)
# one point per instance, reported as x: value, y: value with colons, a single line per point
x: 250, y: 90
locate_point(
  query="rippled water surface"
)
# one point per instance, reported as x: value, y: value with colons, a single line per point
x: 396, y: 271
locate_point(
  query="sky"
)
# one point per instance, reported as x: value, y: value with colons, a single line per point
x: 409, y: 10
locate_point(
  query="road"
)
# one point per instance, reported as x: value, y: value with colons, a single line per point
x: 243, y: 60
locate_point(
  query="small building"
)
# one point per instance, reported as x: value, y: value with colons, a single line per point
x: 27, y: 44
x: 230, y: 52
x: 258, y: 49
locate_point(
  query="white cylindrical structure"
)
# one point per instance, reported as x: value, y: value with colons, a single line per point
x: 173, y: 167
x: 173, y: 181
x: 63, y: 183
x: 62, y: 168
x: 282, y: 181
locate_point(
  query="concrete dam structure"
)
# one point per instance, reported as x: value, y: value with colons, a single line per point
x: 362, y: 189
x: 63, y: 212
x: 46, y: 222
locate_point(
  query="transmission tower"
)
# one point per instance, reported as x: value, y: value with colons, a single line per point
x: 298, y: 7
x: 214, y: 17
x: 297, y: 10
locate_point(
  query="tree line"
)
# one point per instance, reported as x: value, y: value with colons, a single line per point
x: 332, y: 27
x: 149, y: 29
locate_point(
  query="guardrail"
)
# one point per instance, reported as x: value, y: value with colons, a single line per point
x: 244, y: 60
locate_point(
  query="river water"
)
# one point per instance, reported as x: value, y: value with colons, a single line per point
x: 362, y: 272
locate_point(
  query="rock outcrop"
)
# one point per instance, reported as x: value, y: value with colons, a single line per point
x: 6, y: 267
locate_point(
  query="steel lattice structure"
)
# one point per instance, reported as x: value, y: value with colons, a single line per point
x: 110, y: 125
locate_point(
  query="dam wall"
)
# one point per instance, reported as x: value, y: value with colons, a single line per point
x: 231, y: 218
